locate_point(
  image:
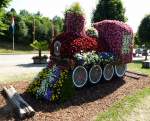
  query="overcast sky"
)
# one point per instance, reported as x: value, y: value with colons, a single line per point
x: 135, y: 9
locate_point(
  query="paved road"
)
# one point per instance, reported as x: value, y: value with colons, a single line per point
x: 140, y: 57
x: 18, y: 67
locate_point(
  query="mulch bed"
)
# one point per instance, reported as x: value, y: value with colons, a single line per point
x: 84, y: 106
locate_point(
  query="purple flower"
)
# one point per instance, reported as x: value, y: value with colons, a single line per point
x: 48, y: 95
x: 56, y: 72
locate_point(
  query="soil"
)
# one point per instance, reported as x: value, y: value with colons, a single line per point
x: 84, y: 106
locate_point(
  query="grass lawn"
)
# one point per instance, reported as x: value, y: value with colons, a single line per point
x: 6, y: 48
x: 136, y: 66
x: 26, y: 76
x: 121, y: 110
x: 9, y: 51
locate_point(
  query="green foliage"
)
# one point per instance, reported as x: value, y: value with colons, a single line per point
x: 43, y: 28
x: 24, y: 13
x: 109, y: 9
x: 75, y: 8
x: 21, y: 31
x: 58, y: 25
x: 93, y: 58
x: 24, y: 26
x: 39, y: 45
x: 4, y: 3
x: 137, y: 41
x: 62, y: 89
x: 92, y: 32
x: 68, y: 89
x: 120, y: 110
x: 3, y: 26
x: 136, y: 66
x: 33, y: 87
x: 144, y: 31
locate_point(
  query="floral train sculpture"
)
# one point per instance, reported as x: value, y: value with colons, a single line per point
x: 77, y: 59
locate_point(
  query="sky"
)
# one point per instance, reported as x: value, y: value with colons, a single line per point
x: 135, y: 9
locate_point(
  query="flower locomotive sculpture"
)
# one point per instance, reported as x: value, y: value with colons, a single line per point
x: 94, y: 58
x: 85, y: 58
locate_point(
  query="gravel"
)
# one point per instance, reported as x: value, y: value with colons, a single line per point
x: 84, y: 106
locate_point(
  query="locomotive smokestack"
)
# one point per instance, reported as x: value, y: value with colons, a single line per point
x: 75, y: 20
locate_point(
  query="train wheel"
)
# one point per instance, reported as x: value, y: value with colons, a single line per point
x: 108, y: 72
x: 79, y: 76
x: 120, y: 70
x: 95, y: 74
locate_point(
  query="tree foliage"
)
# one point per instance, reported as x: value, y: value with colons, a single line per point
x: 144, y: 31
x: 137, y: 41
x: 4, y: 3
x: 3, y: 26
x: 75, y: 8
x: 25, y: 23
x: 58, y: 25
x: 109, y: 9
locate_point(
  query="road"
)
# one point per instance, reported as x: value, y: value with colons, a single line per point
x: 18, y: 67
x: 21, y: 67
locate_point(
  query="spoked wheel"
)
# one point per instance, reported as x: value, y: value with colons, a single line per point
x: 108, y: 72
x: 120, y: 70
x: 95, y: 74
x: 79, y: 76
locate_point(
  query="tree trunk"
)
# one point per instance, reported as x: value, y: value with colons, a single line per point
x: 146, y: 54
x: 40, y: 53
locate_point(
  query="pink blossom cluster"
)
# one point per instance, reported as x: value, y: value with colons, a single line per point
x: 75, y: 23
x: 116, y: 37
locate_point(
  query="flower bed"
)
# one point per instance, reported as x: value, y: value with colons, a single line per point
x: 52, y: 84
x: 116, y: 37
x: 94, y: 58
x: 72, y: 43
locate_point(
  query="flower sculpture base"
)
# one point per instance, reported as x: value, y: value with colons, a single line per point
x: 146, y: 64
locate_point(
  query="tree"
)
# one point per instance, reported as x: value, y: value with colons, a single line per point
x: 3, y: 26
x: 137, y: 41
x: 3, y: 4
x: 24, y: 13
x: 21, y: 31
x: 39, y: 45
x: 109, y: 9
x: 144, y: 33
x: 58, y: 25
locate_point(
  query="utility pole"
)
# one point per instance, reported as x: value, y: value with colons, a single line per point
x: 13, y: 42
x: 13, y: 32
x: 53, y: 32
x: 33, y: 29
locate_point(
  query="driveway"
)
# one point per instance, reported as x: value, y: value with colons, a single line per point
x: 18, y: 67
